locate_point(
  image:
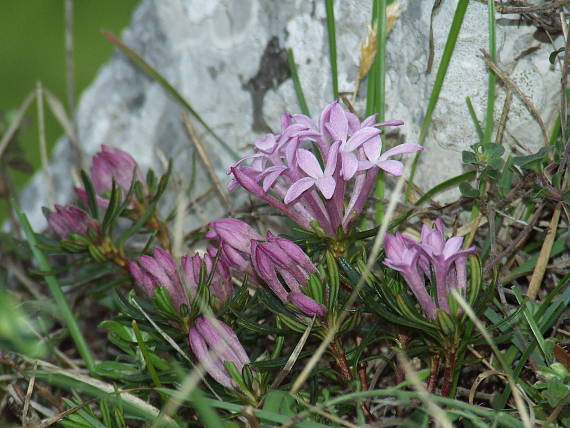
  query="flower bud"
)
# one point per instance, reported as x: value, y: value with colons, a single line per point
x: 112, y: 163
x: 213, y: 343
x: 307, y: 305
x: 69, y: 219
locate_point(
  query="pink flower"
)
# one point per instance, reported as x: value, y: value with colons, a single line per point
x: 402, y: 254
x: 417, y: 260
x: 383, y: 161
x: 305, y: 172
x: 221, y: 285
x: 447, y: 258
x: 160, y: 270
x: 323, y: 180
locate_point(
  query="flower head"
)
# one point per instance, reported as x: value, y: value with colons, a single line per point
x: 304, y: 172
x: 417, y: 260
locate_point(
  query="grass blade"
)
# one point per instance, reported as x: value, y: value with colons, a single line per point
x: 475, y: 120
x: 153, y: 73
x: 491, y: 83
x: 297, y: 83
x: 57, y: 294
x: 331, y: 28
x: 439, y: 78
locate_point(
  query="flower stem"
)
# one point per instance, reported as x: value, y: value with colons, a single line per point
x: 450, y: 361
x: 340, y: 358
x: 432, y: 380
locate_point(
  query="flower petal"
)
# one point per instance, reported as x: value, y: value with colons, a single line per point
x: 338, y: 123
x: 332, y: 157
x: 309, y: 163
x: 392, y: 167
x: 360, y: 137
x: 402, y: 148
x: 298, y: 188
x: 372, y: 149
x: 349, y: 165
x: 326, y: 185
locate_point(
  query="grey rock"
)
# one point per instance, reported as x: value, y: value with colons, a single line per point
x: 227, y: 58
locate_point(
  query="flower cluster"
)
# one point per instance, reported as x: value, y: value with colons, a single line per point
x: 312, y: 187
x: 275, y: 261
x: 433, y: 254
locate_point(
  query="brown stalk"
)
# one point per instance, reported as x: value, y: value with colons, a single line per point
x: 513, y: 86
x: 537, y: 8
x: 518, y: 241
x: 207, y: 163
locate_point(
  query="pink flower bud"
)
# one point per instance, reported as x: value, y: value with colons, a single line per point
x: 159, y: 270
x: 214, y: 343
x: 307, y: 305
x: 235, y: 233
x: 114, y: 163
x: 69, y: 219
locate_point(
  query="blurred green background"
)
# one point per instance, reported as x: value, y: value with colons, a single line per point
x: 32, y: 48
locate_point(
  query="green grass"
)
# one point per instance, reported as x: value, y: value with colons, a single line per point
x: 32, y: 49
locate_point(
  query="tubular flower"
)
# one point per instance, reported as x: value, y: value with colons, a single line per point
x: 234, y: 237
x: 160, y: 270
x: 221, y: 285
x: 417, y: 260
x: 281, y: 263
x: 69, y: 219
x: 214, y: 343
x: 305, y: 171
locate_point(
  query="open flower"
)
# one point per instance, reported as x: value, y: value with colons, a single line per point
x: 305, y: 171
x: 322, y: 180
x: 382, y: 160
x: 447, y: 258
x: 214, y: 343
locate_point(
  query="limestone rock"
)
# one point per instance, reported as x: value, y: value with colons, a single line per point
x: 227, y: 57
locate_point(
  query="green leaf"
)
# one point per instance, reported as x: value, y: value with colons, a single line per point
x: 468, y: 191
x: 468, y: 157
x: 297, y: 83
x: 331, y: 30
x: 474, y: 120
x: 280, y: 402
x: 125, y: 333
x: 91, y: 195
x: 56, y: 292
x: 115, y: 370
x: 553, y: 55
